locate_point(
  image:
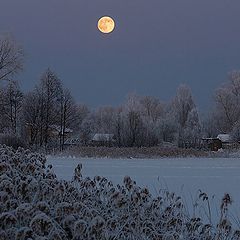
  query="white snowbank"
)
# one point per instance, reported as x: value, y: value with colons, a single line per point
x: 35, y: 204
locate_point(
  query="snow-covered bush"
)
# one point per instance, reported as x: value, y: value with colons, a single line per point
x: 34, y: 204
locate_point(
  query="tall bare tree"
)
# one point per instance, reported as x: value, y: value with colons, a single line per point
x: 12, y: 104
x: 11, y: 58
x: 68, y: 115
x: 227, y: 99
x: 31, y: 119
x: 50, y: 92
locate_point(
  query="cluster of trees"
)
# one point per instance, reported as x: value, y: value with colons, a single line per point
x: 147, y: 121
x: 139, y: 121
x: 226, y: 115
x: 11, y: 62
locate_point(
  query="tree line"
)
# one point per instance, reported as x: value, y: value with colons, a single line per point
x: 138, y: 121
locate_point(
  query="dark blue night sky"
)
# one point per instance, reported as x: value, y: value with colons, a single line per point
x: 157, y: 44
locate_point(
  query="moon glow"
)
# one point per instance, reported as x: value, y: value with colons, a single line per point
x: 106, y: 24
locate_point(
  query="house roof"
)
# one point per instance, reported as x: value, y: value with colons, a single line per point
x: 103, y: 137
x: 72, y: 141
x: 58, y: 129
x: 224, y: 137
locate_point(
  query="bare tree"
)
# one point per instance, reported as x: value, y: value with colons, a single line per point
x: 133, y: 121
x: 31, y: 118
x: 68, y: 116
x: 118, y: 126
x: 12, y: 104
x: 41, y: 109
x: 11, y: 58
x: 50, y: 92
x: 227, y: 99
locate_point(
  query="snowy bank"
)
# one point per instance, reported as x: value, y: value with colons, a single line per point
x: 34, y: 204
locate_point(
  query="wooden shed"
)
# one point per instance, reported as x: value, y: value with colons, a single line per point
x: 221, y: 141
x: 214, y: 144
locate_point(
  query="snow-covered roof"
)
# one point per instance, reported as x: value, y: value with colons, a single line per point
x: 103, y: 137
x: 224, y: 137
x: 72, y: 141
x: 58, y: 129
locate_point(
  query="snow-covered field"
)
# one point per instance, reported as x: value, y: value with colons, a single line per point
x: 184, y: 176
x: 36, y: 204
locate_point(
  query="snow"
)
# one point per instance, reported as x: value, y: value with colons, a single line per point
x: 35, y: 204
x: 224, y: 137
x: 103, y: 137
x: 184, y: 176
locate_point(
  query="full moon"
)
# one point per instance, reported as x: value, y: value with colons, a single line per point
x: 106, y: 24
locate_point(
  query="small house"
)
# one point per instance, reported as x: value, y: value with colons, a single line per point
x: 72, y: 142
x: 225, y: 138
x: 221, y: 141
x: 214, y: 144
x: 55, y: 130
x: 103, y: 139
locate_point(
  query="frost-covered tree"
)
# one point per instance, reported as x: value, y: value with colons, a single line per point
x: 227, y: 99
x: 166, y: 129
x: 235, y: 133
x: 152, y: 110
x: 151, y: 107
x: 210, y: 124
x: 87, y: 128
x: 82, y: 111
x: 192, y: 131
x: 186, y: 115
x: 104, y: 117
x: 138, y: 120
x: 183, y: 104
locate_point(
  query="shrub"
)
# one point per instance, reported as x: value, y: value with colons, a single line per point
x: 11, y: 141
x: 34, y: 204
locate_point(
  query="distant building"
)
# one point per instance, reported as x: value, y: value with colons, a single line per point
x: 56, y: 130
x: 103, y: 139
x: 221, y: 141
x: 214, y: 144
x: 72, y: 142
x: 225, y: 138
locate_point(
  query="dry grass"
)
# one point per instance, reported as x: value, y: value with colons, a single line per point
x: 143, y: 152
x: 34, y: 204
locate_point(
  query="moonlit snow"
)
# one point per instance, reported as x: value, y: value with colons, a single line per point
x: 184, y: 176
x: 36, y: 204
